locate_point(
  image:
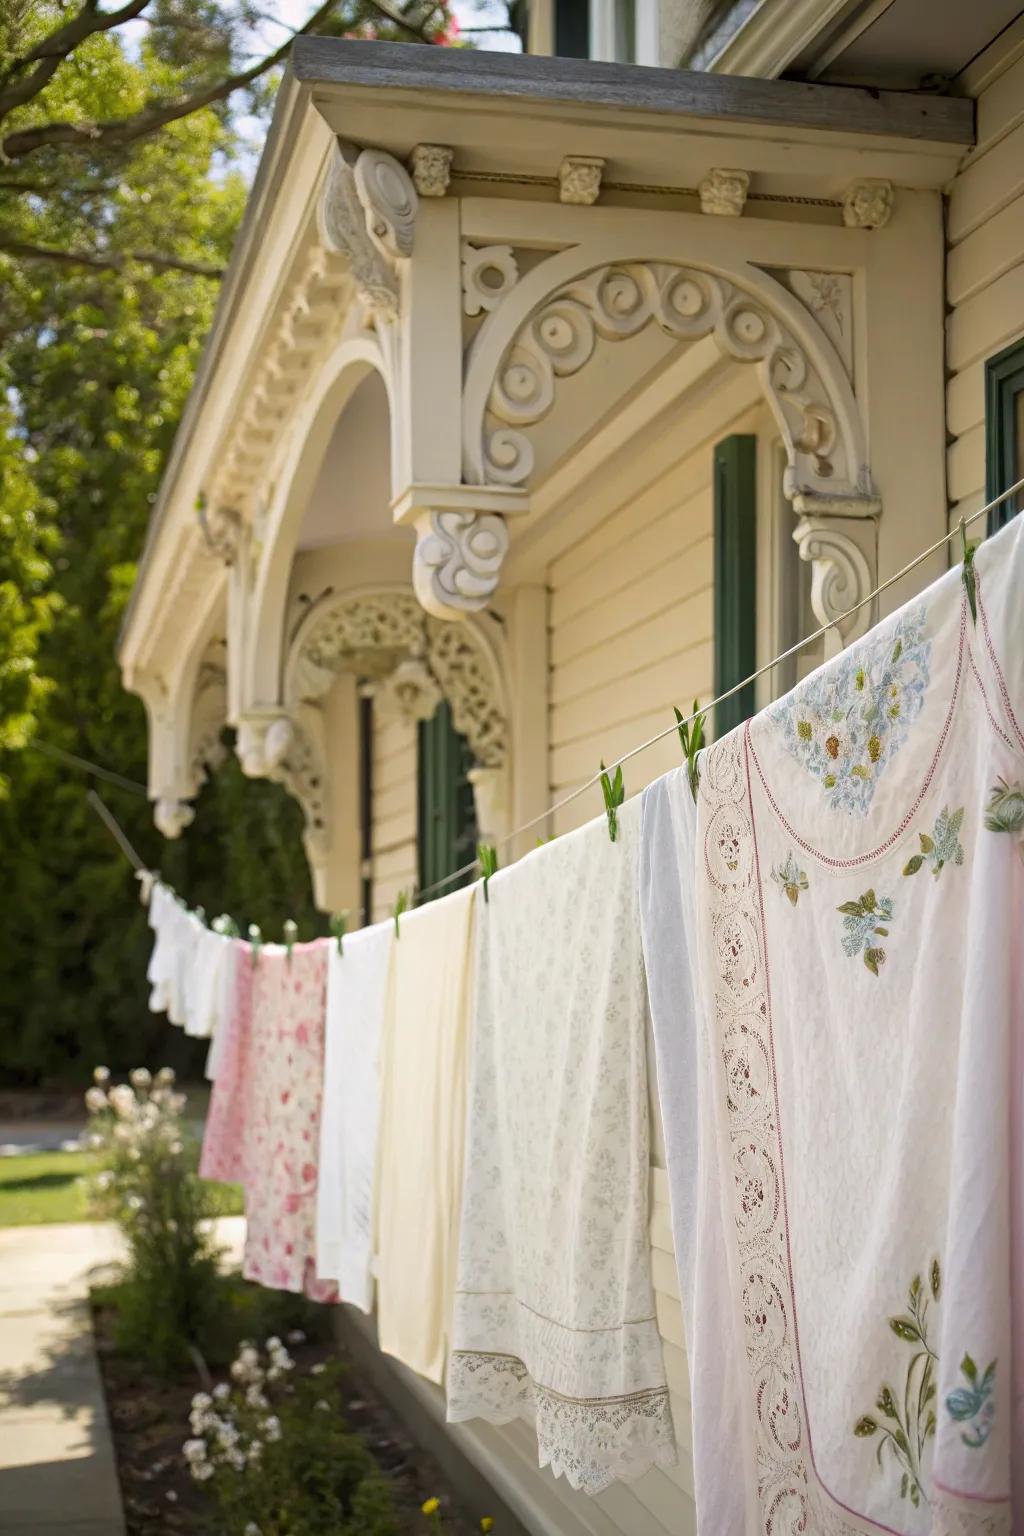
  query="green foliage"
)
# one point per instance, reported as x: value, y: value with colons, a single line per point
x: 614, y: 793
x: 276, y: 1455
x: 691, y: 739
x: 170, y: 1299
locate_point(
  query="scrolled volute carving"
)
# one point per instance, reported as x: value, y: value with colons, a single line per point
x: 841, y: 576
x: 366, y: 232
x: 390, y: 201
x: 458, y: 559
x: 616, y: 302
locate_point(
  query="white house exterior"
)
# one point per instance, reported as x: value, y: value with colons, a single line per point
x: 545, y: 394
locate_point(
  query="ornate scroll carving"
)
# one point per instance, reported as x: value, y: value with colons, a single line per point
x: 458, y: 559
x: 617, y: 302
x: 841, y: 575
x: 868, y: 203
x: 387, y: 637
x: 579, y: 179
x: 222, y: 530
x: 724, y: 192
x: 366, y: 219
x: 489, y: 272
x: 282, y: 746
x: 431, y: 166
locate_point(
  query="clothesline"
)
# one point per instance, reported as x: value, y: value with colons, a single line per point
x: 595, y: 779
x: 769, y: 666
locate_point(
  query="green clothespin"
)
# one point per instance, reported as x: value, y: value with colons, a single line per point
x: 338, y: 924
x: 401, y: 905
x: 256, y: 941
x: 225, y: 926
x: 614, y: 794
x: 291, y: 933
x: 487, y: 858
x: 969, y: 573
x: 691, y: 739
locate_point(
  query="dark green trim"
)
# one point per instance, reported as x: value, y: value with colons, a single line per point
x: 735, y: 481
x: 366, y: 804
x: 447, y: 832
x: 572, y: 29
x: 1004, y: 381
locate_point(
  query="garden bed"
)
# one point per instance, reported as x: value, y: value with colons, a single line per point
x: 150, y: 1422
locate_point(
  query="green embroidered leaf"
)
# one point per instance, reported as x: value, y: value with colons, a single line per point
x: 926, y: 842
x: 829, y: 781
x: 901, y: 1440
x: 989, y: 1377
x: 956, y: 821
x: 915, y: 1288
x: 858, y: 681
x: 912, y: 866
x: 873, y: 958
x: 864, y: 1427
x: 868, y: 902
x: 887, y: 1403
x: 903, y: 1486
x: 969, y: 1369
x: 851, y: 909
x: 929, y: 1428
x: 793, y: 892
x: 897, y: 650
x: 915, y: 1495
x: 936, y: 1279
x: 905, y: 1328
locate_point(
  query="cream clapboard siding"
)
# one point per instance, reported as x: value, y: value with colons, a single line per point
x: 631, y: 618
x: 394, y: 812
x: 985, y: 261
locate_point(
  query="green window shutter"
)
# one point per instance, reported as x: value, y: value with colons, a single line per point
x: 1004, y: 431
x: 735, y: 469
x: 572, y: 29
x: 447, y: 813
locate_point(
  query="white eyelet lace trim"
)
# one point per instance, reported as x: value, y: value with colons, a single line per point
x: 589, y: 1442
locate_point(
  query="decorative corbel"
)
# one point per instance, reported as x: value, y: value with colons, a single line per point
x: 222, y: 529
x: 841, y: 554
x: 461, y: 542
x: 171, y: 816
x: 579, y: 179
x: 724, y: 192
x: 262, y: 742
x: 368, y: 214
x: 431, y: 166
x: 868, y: 203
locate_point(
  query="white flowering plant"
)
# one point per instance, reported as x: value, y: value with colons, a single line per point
x: 169, y: 1301
x: 276, y: 1457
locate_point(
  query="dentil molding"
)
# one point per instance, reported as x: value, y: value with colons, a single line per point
x: 868, y: 203
x: 724, y: 192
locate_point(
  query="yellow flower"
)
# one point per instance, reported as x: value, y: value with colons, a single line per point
x: 431, y: 1506
x: 487, y: 1524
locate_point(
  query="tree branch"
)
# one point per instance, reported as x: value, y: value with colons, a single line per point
x: 112, y: 261
x: 51, y: 52
x: 127, y: 129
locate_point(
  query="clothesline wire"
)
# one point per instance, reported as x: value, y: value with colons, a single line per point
x: 769, y: 666
x: 88, y: 767
x: 115, y: 830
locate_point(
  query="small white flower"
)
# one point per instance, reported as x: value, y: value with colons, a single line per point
x: 272, y: 1428
x: 194, y: 1451
x: 202, y: 1400
x: 319, y: 1368
x: 201, y: 1470
x: 296, y: 1336
x: 255, y: 1398
x: 94, y: 1141
x: 140, y: 1077
x: 135, y: 1202
x: 323, y: 1407
x: 134, y: 1155
x: 95, y: 1100
x: 171, y: 1496
x: 122, y: 1100
x: 177, y: 1148
x: 273, y: 1343
x: 236, y: 1458
x: 221, y: 1391
x: 227, y: 1436
x: 252, y: 1529
x: 275, y: 1373
x: 101, y: 1076
x: 104, y: 1179
x: 165, y: 1078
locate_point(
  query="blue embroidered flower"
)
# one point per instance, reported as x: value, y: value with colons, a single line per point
x: 790, y: 879
x: 863, y: 921
x: 943, y: 847
x: 848, y: 723
x: 974, y: 1405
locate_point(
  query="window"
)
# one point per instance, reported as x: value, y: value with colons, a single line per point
x: 572, y: 29
x: 447, y: 834
x: 735, y: 483
x: 1004, y: 431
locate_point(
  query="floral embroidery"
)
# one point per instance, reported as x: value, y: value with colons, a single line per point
x: 975, y: 1403
x: 790, y: 879
x: 863, y: 920
x: 906, y: 1433
x: 846, y: 725
x: 943, y: 847
x: 1005, y: 809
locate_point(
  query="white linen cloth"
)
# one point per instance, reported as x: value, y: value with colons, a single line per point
x: 554, y: 1317
x: 668, y: 887
x: 860, y: 899
x: 176, y: 932
x: 358, y: 978
x: 422, y: 1118
x: 204, y: 982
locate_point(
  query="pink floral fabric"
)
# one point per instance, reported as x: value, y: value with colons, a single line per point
x: 264, y: 1124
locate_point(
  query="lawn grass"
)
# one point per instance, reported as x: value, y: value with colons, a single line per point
x: 42, y: 1187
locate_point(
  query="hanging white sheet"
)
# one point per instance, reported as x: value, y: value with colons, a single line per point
x: 358, y: 980
x: 860, y: 899
x: 554, y: 1315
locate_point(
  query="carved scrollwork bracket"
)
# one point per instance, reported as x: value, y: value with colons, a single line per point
x: 368, y: 214
x: 841, y: 552
x: 461, y: 543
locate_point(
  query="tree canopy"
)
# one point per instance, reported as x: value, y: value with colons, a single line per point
x: 120, y: 194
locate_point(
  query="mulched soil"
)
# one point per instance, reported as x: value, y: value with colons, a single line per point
x: 149, y: 1421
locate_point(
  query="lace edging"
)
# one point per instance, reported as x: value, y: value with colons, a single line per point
x: 591, y: 1442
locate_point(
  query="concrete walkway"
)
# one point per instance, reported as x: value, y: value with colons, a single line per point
x: 57, y: 1470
